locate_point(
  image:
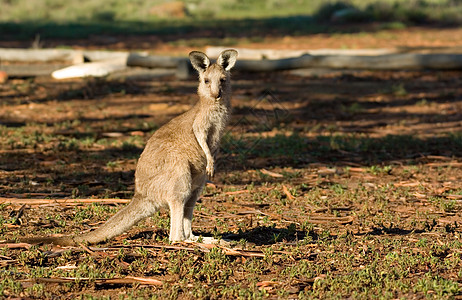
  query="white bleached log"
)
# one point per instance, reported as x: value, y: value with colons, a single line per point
x: 93, y: 69
x: 41, y: 55
x: 58, y: 55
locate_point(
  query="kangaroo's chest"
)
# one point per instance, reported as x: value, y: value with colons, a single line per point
x: 218, y: 120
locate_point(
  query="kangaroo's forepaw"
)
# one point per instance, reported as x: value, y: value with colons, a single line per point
x: 209, y: 169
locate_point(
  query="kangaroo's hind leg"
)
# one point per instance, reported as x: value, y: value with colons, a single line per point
x: 178, y: 197
x: 176, y: 220
x: 188, y: 215
x: 188, y: 212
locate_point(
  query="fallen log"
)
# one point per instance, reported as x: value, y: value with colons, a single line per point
x: 101, y: 55
x: 57, y: 55
x: 181, y: 64
x: 381, y: 62
x: 398, y: 61
x: 41, y: 55
x: 246, y: 53
x: 117, y: 61
x: 153, y: 61
x: 30, y: 70
x: 43, y: 62
x: 93, y: 69
x: 141, y: 74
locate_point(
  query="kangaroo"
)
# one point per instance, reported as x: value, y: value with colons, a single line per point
x: 173, y: 168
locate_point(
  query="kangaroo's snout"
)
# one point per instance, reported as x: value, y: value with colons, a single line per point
x: 216, y: 90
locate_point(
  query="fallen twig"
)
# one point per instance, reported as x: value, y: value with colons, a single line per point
x: 287, y: 193
x: 267, y: 285
x: 407, y: 184
x: 125, y: 280
x: 6, y: 262
x: 356, y: 169
x: 340, y: 220
x: 445, y: 164
x: 233, y: 252
x: 8, y: 225
x: 324, y: 209
x: 15, y: 245
x: 66, y: 267
x: 419, y: 195
x: 20, y: 201
x: 236, y: 192
x: 272, y: 174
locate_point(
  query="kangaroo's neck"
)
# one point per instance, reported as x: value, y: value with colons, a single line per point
x: 213, y: 115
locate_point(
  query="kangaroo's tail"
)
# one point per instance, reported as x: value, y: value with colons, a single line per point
x: 135, y: 211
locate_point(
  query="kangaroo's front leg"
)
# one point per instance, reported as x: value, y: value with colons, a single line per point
x: 201, y: 136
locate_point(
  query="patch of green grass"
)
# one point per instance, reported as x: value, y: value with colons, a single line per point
x: 444, y: 204
x: 354, y: 108
x: 434, y: 285
x: 380, y: 170
x: 58, y: 19
x: 94, y: 210
x: 398, y: 90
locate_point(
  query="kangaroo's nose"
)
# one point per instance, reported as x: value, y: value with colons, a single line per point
x: 219, y: 94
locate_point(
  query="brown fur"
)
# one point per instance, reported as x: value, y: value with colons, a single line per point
x: 176, y: 161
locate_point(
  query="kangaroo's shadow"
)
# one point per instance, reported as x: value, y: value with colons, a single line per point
x: 267, y: 235
x: 259, y: 236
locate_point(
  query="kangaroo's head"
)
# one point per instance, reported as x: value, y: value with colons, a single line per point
x: 214, y: 80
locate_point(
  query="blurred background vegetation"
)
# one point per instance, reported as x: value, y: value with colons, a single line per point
x: 78, y: 19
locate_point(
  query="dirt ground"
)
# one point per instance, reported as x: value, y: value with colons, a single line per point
x: 371, y: 36
x: 344, y: 184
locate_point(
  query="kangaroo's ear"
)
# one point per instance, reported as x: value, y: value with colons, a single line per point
x: 227, y: 59
x: 199, y: 61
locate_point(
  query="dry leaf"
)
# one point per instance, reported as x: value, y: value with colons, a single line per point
x: 272, y: 174
x: 287, y: 193
x: 267, y: 283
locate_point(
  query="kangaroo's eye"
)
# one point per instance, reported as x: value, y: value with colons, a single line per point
x: 206, y: 80
x: 222, y: 80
